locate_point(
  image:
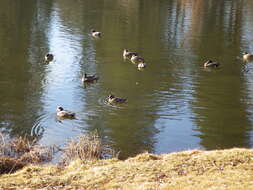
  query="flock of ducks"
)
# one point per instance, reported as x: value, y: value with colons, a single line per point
x: 135, y: 59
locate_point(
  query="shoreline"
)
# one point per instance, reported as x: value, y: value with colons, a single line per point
x: 192, y: 169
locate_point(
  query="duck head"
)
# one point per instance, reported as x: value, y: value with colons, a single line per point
x: 111, y: 96
x: 59, y: 108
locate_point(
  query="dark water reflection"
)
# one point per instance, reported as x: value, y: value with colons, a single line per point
x: 174, y: 104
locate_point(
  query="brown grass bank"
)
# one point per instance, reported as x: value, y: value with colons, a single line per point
x: 19, y: 152
x: 223, y: 169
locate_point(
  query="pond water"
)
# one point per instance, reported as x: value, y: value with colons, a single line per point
x: 174, y: 104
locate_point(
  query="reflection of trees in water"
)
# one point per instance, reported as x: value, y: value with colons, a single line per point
x: 130, y: 128
x: 204, y: 28
x: 221, y: 114
x: 20, y: 86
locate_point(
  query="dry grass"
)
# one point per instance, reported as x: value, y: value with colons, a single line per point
x: 38, y: 154
x: 22, y: 151
x: 86, y: 147
x: 203, y: 170
x: 15, y: 147
x: 16, y: 153
x: 8, y: 165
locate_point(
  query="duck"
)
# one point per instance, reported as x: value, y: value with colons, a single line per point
x: 95, y: 33
x: 211, y: 63
x: 141, y: 65
x: 91, y: 78
x: 113, y: 99
x: 49, y: 57
x: 247, y: 56
x: 136, y: 59
x: 64, y: 113
x: 127, y: 54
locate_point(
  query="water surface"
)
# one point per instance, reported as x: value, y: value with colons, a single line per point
x: 174, y: 104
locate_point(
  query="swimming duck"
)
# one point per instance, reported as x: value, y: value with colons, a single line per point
x: 113, y: 99
x: 137, y: 59
x: 64, y: 113
x: 211, y: 63
x: 91, y: 78
x: 247, y: 56
x: 141, y: 65
x: 49, y: 57
x: 127, y: 54
x: 95, y: 33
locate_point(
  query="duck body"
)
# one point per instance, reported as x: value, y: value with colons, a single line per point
x: 247, y: 56
x: 137, y: 59
x: 65, y: 113
x: 112, y: 99
x: 211, y: 63
x: 95, y: 33
x: 141, y: 65
x: 49, y: 57
x: 90, y: 78
x: 127, y: 54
